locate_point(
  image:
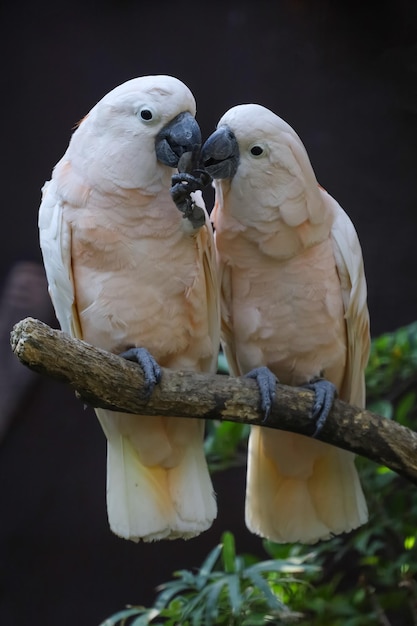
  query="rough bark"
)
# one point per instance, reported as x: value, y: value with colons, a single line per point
x: 105, y: 380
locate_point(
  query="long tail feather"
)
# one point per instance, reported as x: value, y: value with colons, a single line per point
x: 300, y: 490
x: 167, y: 499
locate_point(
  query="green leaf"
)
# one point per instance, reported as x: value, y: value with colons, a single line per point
x: 229, y: 552
x: 290, y: 566
x: 404, y: 406
x: 146, y: 618
x: 235, y: 597
x: 224, y: 444
x: 256, y: 620
x: 212, y: 601
x: 209, y: 563
x: 271, y: 599
x: 121, y: 615
x: 382, y: 407
x: 196, y: 616
x: 169, y: 591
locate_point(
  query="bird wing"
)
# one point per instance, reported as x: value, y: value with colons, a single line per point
x: 349, y: 261
x: 55, y: 241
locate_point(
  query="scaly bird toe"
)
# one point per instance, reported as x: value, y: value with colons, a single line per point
x: 151, y: 369
x: 267, y: 382
x: 325, y: 393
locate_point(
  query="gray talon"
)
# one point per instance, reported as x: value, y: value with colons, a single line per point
x: 190, y: 178
x: 266, y: 382
x: 151, y: 369
x: 325, y: 393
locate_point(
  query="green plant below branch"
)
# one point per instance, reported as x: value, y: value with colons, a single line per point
x: 227, y: 590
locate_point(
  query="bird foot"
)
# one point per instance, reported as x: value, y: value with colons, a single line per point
x: 190, y: 178
x: 151, y: 369
x: 325, y: 393
x: 266, y: 382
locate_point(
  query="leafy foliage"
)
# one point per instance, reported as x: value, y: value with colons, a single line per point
x: 365, y: 578
x: 228, y: 590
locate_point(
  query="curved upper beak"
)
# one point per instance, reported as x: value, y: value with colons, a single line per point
x: 220, y: 153
x: 180, y: 135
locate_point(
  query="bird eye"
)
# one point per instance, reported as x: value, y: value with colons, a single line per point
x: 256, y: 151
x: 146, y: 115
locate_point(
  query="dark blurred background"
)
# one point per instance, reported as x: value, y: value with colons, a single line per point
x: 343, y: 74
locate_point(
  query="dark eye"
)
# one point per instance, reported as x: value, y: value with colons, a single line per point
x: 256, y: 150
x: 146, y: 115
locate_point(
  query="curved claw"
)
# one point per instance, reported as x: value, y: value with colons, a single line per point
x: 325, y: 393
x: 183, y: 184
x: 266, y: 382
x: 151, y: 369
x: 193, y: 181
x: 190, y: 178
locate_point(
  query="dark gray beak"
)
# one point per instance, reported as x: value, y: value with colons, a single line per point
x: 220, y: 154
x: 181, y: 135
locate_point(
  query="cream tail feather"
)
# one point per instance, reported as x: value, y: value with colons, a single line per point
x: 149, y: 496
x: 314, y: 496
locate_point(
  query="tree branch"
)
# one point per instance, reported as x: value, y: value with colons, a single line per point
x: 104, y: 380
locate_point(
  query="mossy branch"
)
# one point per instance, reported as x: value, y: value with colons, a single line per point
x: 104, y: 380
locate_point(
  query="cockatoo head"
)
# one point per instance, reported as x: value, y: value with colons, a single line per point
x: 249, y: 134
x: 139, y: 127
x: 262, y: 159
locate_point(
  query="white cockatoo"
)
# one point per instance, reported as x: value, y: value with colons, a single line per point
x: 127, y: 271
x: 293, y: 296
